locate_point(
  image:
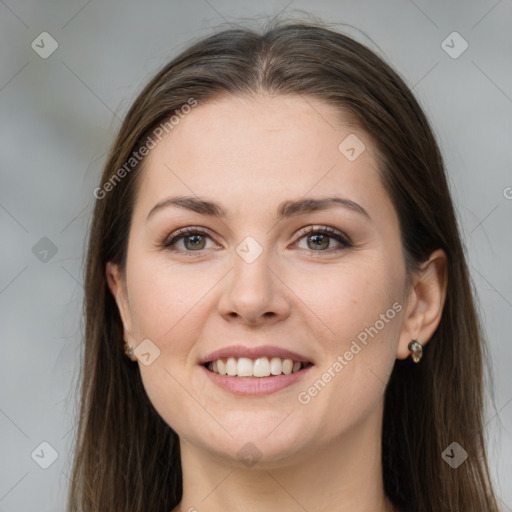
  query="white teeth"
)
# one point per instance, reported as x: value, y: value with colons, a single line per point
x: 260, y: 367
x: 231, y: 366
x: 244, y: 368
x: 276, y: 366
x: 287, y: 366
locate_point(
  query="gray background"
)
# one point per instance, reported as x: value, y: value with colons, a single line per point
x: 60, y: 114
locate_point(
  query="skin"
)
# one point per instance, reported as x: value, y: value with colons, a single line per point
x: 249, y: 154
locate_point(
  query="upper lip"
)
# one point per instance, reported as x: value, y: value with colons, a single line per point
x: 254, y: 353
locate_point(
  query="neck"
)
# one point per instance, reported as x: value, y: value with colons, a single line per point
x: 344, y: 474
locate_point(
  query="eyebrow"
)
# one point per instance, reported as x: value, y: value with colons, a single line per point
x: 285, y: 210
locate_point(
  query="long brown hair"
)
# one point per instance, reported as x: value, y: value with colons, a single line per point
x: 127, y: 459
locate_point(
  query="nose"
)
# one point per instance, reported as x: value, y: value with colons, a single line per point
x: 254, y: 293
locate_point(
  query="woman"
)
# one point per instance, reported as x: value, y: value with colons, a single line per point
x: 278, y: 309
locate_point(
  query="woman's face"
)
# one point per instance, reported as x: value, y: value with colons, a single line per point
x: 260, y: 276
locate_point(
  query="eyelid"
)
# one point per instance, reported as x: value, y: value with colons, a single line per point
x: 183, y: 232
x: 341, y: 237
x: 323, y: 229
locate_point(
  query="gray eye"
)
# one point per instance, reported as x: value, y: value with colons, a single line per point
x: 195, y: 242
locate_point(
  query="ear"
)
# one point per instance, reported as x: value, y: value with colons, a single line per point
x: 425, y: 302
x: 117, y: 286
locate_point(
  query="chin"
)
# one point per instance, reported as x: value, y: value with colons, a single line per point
x: 256, y: 454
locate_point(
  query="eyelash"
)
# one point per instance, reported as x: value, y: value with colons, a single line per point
x: 180, y: 234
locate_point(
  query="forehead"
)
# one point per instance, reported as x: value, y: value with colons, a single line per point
x: 249, y: 150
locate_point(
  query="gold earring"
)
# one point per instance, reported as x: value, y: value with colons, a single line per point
x: 416, y: 349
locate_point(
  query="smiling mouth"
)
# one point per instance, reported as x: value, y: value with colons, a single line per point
x: 259, y: 367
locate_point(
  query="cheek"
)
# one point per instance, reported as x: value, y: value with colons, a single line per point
x: 164, y: 299
x: 351, y: 298
x: 360, y: 311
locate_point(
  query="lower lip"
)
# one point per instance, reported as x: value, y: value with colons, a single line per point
x: 256, y: 385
